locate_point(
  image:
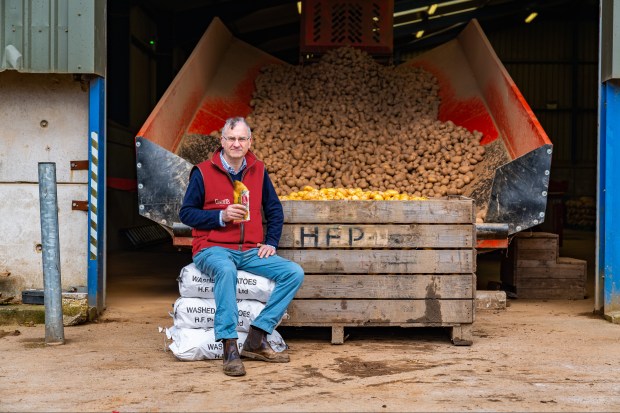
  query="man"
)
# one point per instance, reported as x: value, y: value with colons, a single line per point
x: 221, y: 246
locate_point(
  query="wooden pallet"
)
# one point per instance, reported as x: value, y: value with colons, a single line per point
x: 383, y: 263
x: 532, y: 268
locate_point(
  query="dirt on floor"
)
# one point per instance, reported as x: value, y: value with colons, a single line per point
x: 534, y: 356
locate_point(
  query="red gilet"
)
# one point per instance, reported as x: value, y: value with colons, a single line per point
x: 219, y: 194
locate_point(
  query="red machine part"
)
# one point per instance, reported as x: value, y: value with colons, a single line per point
x: 478, y: 93
x: 491, y: 244
x: 214, y: 111
x: 470, y: 113
x: 215, y: 83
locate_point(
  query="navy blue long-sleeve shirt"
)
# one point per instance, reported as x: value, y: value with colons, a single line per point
x: 192, y: 214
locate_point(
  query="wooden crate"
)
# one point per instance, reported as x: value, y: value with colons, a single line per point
x: 532, y: 268
x: 383, y: 263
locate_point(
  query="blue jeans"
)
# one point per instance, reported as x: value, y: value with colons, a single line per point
x: 223, y: 263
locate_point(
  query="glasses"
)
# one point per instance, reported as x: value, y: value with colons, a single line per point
x: 232, y: 139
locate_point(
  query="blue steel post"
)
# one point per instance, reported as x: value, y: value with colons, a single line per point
x: 48, y: 200
x: 609, y: 195
x: 96, y: 195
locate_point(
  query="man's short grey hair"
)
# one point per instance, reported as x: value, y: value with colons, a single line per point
x: 232, y: 122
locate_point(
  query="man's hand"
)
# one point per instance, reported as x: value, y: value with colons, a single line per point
x: 266, y: 251
x: 233, y: 211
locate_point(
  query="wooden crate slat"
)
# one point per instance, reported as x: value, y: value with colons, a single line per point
x: 363, y: 312
x: 555, y: 293
x: 538, y: 243
x: 377, y: 236
x: 551, y: 283
x: 523, y: 264
x: 554, y: 271
x: 289, y: 323
x: 387, y: 286
x: 433, y: 211
x: 537, y: 235
x: 541, y: 254
x: 383, y: 261
x: 573, y: 261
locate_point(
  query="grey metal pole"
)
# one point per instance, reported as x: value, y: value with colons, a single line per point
x: 54, y: 329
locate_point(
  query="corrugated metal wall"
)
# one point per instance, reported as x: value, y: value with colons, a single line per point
x: 555, y: 64
x: 53, y: 36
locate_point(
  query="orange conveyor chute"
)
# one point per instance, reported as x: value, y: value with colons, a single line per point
x: 476, y: 92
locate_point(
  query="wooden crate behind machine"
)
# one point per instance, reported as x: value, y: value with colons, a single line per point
x: 532, y: 268
x: 383, y: 263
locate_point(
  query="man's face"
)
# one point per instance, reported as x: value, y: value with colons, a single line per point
x: 236, y: 142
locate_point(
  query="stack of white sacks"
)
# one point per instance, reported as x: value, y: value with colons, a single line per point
x: 194, y: 313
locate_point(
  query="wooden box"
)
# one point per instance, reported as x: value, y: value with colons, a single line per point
x: 532, y: 268
x: 383, y: 263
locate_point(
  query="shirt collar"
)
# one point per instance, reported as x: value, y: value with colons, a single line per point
x: 229, y: 168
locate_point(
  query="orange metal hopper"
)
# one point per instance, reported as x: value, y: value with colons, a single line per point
x: 217, y: 82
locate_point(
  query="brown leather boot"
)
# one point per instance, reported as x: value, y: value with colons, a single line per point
x: 256, y: 347
x: 233, y: 366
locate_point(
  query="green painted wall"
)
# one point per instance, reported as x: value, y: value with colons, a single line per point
x: 53, y: 36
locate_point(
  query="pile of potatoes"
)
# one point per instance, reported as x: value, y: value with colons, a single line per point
x: 308, y: 193
x: 348, y: 121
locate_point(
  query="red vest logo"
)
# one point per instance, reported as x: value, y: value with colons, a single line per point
x: 222, y: 201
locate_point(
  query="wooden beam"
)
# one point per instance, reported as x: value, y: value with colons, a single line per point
x: 383, y: 261
x: 377, y: 236
x: 377, y: 312
x: 432, y: 211
x: 387, y: 286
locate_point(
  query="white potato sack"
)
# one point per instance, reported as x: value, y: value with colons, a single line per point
x: 200, y: 312
x: 193, y: 283
x: 193, y: 344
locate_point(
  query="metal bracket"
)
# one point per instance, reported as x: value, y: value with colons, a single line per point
x: 79, y: 205
x: 79, y: 165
